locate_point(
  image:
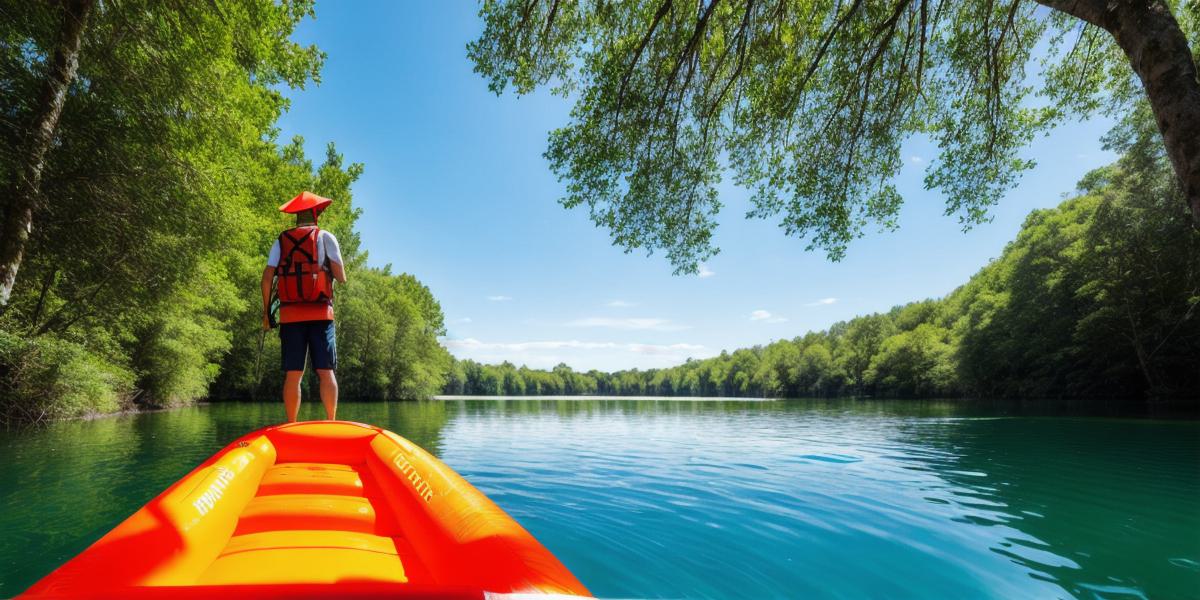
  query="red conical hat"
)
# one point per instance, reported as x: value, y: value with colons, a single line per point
x: 305, y: 201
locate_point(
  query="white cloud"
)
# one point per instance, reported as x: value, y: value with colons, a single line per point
x: 619, y: 304
x: 499, y: 298
x: 474, y: 344
x: 766, y: 316
x: 628, y: 324
x: 663, y: 348
x: 823, y: 302
x: 463, y: 320
x: 916, y: 160
x: 581, y: 355
x: 705, y: 272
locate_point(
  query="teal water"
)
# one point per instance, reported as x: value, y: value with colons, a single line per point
x: 716, y: 499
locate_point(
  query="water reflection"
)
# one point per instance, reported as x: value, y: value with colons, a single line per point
x: 1104, y: 508
x: 716, y: 499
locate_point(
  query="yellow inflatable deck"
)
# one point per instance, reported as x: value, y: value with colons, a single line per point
x: 315, y: 509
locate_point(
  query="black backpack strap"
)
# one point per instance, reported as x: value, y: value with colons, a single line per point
x: 280, y: 267
x: 299, y: 277
x: 298, y: 247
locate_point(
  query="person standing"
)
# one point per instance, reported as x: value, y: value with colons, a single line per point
x: 302, y: 265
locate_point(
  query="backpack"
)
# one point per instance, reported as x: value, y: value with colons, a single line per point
x: 300, y: 277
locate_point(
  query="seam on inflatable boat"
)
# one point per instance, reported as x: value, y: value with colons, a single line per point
x: 396, y: 554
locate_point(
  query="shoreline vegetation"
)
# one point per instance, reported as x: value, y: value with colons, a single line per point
x: 157, y: 205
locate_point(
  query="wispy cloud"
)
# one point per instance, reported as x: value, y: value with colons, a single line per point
x: 823, y: 302
x: 499, y: 298
x: 474, y: 344
x: 581, y: 355
x: 705, y: 272
x: 619, y: 304
x: 628, y: 324
x: 463, y: 320
x: 766, y: 317
x: 663, y: 348
x: 916, y: 160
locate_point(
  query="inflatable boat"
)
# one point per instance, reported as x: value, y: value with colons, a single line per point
x: 318, y: 509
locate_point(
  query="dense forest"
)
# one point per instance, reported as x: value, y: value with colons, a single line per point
x: 155, y: 206
x: 1098, y: 297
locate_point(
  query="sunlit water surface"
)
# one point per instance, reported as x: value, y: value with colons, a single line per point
x: 716, y: 499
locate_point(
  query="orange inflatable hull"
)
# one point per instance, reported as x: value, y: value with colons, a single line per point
x: 315, y: 509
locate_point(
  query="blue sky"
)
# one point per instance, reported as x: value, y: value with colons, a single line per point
x: 456, y: 192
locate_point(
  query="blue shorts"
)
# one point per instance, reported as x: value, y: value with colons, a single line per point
x: 315, y: 339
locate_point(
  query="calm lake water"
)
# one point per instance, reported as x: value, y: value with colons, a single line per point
x: 715, y: 499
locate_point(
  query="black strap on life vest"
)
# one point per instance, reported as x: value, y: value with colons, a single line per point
x: 296, y: 272
x: 297, y: 244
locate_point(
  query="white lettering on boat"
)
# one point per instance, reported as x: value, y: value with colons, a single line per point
x: 209, y: 498
x: 410, y: 472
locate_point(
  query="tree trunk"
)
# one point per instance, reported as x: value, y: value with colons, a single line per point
x: 27, y: 176
x: 1158, y: 52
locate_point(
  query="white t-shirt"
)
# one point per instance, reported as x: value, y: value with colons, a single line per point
x: 327, y: 245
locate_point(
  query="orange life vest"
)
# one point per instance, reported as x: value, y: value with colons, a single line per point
x: 300, y: 278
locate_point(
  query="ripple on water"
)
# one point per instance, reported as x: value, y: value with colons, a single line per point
x: 840, y: 459
x: 1185, y: 563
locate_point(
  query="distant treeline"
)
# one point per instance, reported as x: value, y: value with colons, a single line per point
x: 139, y: 283
x: 1099, y: 297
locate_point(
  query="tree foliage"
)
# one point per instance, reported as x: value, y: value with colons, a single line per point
x: 158, y: 205
x: 806, y: 103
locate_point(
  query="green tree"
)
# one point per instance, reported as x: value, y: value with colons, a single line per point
x: 818, y: 374
x: 512, y: 384
x: 1134, y: 290
x: 387, y: 346
x: 1097, y: 297
x: 116, y: 107
x: 456, y: 379
x: 778, y: 372
x: 808, y: 103
x: 860, y: 342
x: 144, y: 211
x: 916, y: 363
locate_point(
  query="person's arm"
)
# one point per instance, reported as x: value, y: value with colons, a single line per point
x: 268, y: 277
x: 333, y: 255
x: 339, y: 272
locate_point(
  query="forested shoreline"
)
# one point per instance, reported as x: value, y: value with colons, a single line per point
x: 1095, y: 298
x: 142, y: 158
x: 156, y: 208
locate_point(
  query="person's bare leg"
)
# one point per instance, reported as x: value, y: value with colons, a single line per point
x: 329, y: 392
x: 291, y: 394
